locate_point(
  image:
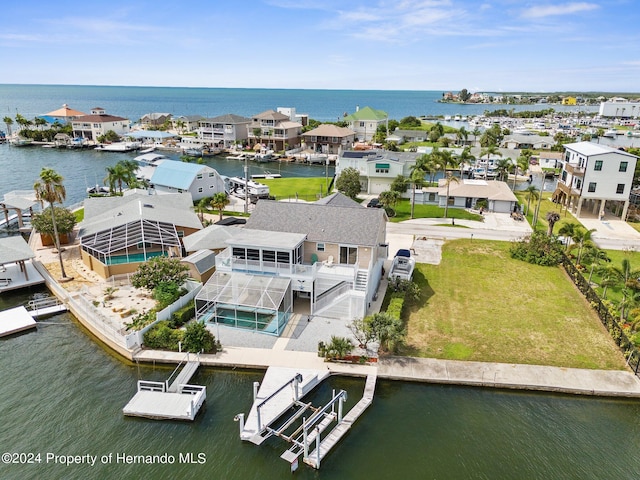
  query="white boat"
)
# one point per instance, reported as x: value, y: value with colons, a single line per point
x: 317, y: 158
x: 611, y: 133
x: 148, y: 150
x: 239, y: 156
x: 267, y: 175
x: 264, y: 157
x: 119, y: 147
x: 237, y: 186
x: 20, y: 142
x: 402, y: 265
x: 98, y: 190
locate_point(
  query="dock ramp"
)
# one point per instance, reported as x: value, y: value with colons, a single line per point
x: 169, y: 401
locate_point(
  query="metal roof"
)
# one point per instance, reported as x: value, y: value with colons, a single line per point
x: 214, y: 237
x: 174, y: 174
x: 590, y: 149
x: 202, y: 260
x: 14, y: 249
x: 104, y: 213
x: 247, y: 237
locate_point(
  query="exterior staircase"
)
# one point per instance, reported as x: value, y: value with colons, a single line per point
x: 362, y: 279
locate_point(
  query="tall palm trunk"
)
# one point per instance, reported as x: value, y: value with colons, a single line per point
x: 56, y: 240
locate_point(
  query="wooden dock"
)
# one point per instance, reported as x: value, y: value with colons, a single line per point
x: 315, y: 457
x: 15, y: 320
x: 164, y: 401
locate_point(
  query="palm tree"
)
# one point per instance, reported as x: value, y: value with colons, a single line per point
x: 623, y: 276
x: 50, y: 189
x: 531, y: 192
x: 568, y: 230
x: 476, y: 133
x: 180, y: 125
x: 581, y: 238
x: 417, y: 180
x: 201, y: 208
x: 449, y: 178
x: 39, y: 122
x: 462, y: 135
x: 522, y: 164
x: 503, y: 166
x: 116, y: 175
x: 552, y: 218
x: 466, y: 158
x: 8, y: 122
x: 219, y: 201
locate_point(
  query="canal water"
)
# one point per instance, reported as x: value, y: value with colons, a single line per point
x: 62, y: 394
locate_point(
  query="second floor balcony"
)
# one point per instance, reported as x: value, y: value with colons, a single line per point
x: 574, y: 169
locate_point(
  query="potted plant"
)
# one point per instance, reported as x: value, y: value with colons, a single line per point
x: 43, y: 224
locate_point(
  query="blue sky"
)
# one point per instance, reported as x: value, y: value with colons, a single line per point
x: 499, y: 45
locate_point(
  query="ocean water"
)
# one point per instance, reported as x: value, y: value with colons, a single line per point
x: 62, y: 393
x: 322, y: 105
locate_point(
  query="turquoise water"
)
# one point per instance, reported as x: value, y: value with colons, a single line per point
x: 134, y: 257
x: 63, y: 394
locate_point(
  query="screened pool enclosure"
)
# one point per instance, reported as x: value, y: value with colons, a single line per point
x: 262, y: 303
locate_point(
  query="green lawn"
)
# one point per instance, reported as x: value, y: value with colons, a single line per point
x: 307, y: 188
x: 546, y: 205
x: 403, y: 212
x: 481, y: 305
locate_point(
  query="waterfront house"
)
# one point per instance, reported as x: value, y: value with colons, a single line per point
x: 186, y: 123
x: 377, y: 168
x: 170, y: 176
x: 532, y: 142
x: 619, y: 107
x: 118, y: 233
x: 155, y: 119
x: 62, y: 115
x: 223, y: 131
x: 401, y: 136
x: 596, y: 178
x: 365, y: 121
x: 99, y: 123
x: 329, y: 139
x: 274, y: 130
x: 466, y: 194
x: 326, y: 257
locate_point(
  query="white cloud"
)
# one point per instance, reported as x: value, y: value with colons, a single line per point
x: 541, y: 11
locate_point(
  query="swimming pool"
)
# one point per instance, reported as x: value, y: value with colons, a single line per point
x: 131, y: 258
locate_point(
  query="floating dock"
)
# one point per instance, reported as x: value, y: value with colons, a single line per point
x: 44, y: 307
x: 169, y: 401
x: 282, y: 391
x: 15, y: 320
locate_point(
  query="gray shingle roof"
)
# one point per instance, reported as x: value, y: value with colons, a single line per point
x: 322, y: 223
x: 338, y: 200
x: 203, y: 260
x: 102, y: 213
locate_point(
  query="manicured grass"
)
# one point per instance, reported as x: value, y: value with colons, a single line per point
x: 403, y: 212
x: 79, y: 214
x: 307, y: 188
x: 546, y: 205
x: 481, y: 305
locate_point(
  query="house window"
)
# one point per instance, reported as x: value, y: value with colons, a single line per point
x: 348, y: 255
x: 199, y: 176
x: 211, y: 186
x: 283, y: 257
x: 620, y: 188
x: 564, y: 176
x: 180, y: 233
x: 432, y: 197
x: 253, y: 254
x: 143, y: 245
x: 320, y: 247
x: 451, y: 201
x: 269, y: 256
x: 598, y: 165
x: 212, y: 174
x: 623, y: 166
x: 362, y: 124
x: 199, y: 189
x: 382, y: 168
x: 592, y: 187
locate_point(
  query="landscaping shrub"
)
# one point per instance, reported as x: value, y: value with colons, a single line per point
x: 182, y: 316
x: 537, y: 249
x: 162, y: 337
x: 198, y: 339
x: 166, y: 293
x: 395, y: 307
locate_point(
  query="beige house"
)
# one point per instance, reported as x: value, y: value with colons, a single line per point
x: 120, y: 233
x: 329, y: 139
x: 466, y: 193
x: 274, y: 130
x: 99, y: 123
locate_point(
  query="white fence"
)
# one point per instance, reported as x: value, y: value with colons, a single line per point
x: 137, y: 338
x: 101, y: 322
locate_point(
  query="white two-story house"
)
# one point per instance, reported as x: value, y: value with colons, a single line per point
x: 595, y: 177
x: 327, y: 256
x: 99, y: 123
x: 224, y: 131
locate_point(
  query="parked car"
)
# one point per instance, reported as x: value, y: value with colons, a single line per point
x: 374, y: 203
